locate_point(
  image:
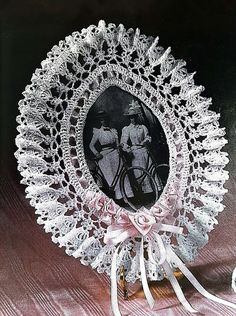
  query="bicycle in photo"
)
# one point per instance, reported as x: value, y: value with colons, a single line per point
x: 136, y: 176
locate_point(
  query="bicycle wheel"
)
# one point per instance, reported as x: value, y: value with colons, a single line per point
x: 138, y: 187
x: 160, y: 174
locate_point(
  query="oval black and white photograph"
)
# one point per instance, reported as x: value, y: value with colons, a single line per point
x: 126, y: 149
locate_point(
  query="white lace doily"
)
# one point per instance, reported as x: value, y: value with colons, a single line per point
x: 50, y: 141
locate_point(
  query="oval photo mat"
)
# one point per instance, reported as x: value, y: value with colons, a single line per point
x: 111, y: 173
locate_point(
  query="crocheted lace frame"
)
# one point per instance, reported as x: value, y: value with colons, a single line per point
x: 50, y: 141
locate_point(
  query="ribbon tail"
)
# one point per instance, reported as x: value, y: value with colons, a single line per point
x: 114, y: 295
x: 162, y: 249
x: 146, y: 289
x: 150, y: 255
x: 195, y: 282
x: 178, y: 291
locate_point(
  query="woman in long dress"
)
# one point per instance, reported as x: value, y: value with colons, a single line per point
x: 104, y: 145
x: 134, y: 139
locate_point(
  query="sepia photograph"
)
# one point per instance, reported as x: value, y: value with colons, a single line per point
x: 125, y: 149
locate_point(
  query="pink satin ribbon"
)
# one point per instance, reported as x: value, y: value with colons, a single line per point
x: 123, y: 225
x: 140, y: 225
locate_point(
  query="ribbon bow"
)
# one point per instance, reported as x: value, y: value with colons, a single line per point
x: 123, y: 225
x: 144, y: 224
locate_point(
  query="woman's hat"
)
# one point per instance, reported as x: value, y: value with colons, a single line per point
x: 135, y: 109
x: 102, y: 114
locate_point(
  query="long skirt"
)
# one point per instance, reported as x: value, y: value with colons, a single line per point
x: 109, y: 166
x: 141, y: 159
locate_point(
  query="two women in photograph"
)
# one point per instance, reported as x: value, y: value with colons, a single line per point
x: 134, y: 140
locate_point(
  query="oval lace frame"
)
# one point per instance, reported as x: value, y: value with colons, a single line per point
x: 50, y: 141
